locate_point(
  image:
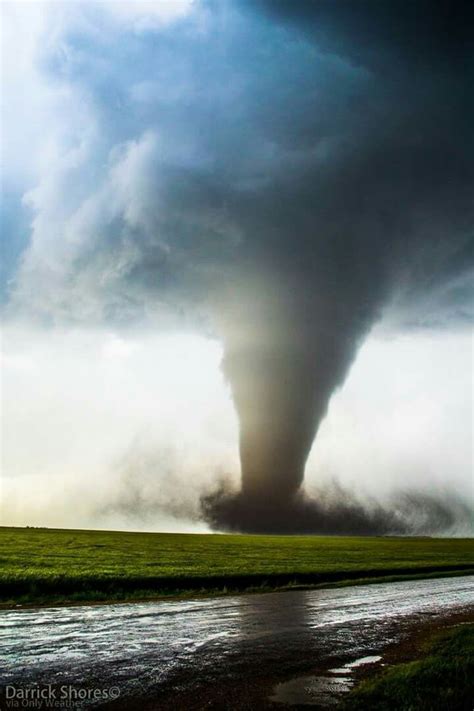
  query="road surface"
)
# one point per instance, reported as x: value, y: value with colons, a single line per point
x: 149, y: 650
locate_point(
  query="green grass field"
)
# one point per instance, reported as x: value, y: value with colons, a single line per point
x: 45, y: 565
x: 443, y: 679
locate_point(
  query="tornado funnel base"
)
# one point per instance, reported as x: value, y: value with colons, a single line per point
x: 226, y: 510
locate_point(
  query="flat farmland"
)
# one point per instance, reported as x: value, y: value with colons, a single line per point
x: 41, y: 566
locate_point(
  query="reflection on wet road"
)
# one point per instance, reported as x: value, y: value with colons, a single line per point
x: 141, y: 646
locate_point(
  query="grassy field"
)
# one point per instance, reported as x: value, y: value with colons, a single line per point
x: 44, y: 565
x: 441, y: 680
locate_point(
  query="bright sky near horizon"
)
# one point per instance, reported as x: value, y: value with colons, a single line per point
x: 155, y: 411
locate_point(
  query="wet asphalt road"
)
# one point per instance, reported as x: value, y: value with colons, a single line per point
x: 142, y: 648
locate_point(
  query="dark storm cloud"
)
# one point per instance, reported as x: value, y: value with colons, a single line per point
x: 288, y: 171
x: 425, y: 31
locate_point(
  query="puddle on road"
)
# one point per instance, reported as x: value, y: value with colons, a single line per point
x: 321, y: 691
x: 312, y: 690
x: 354, y: 665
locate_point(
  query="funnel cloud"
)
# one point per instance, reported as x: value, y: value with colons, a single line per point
x: 284, y: 175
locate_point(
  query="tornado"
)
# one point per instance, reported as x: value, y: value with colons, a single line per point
x: 376, y: 213
x: 287, y: 349
x: 282, y: 378
x: 282, y: 175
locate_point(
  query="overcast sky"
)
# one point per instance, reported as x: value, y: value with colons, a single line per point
x: 147, y: 154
